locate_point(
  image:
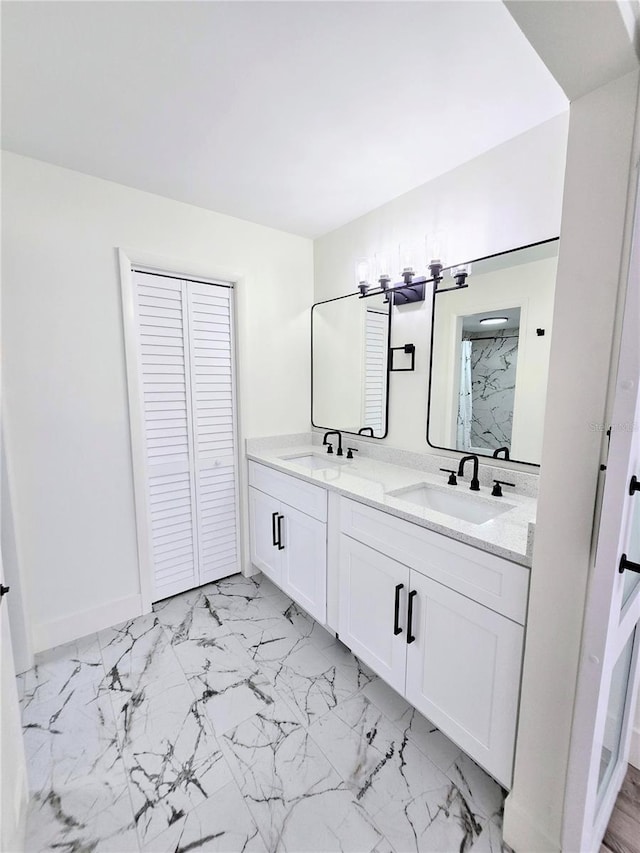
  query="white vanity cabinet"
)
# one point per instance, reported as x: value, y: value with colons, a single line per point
x: 288, y: 536
x: 405, y: 608
x: 463, y: 672
x: 372, y: 596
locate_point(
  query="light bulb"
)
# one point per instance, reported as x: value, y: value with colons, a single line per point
x: 363, y: 271
x: 436, y: 246
x: 382, y: 269
x: 407, y: 258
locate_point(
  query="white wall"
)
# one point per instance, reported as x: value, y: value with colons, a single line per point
x: 505, y: 198
x: 66, y: 417
x: 599, y: 173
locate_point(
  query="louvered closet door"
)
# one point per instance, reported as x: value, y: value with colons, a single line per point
x: 162, y: 317
x: 211, y: 355
x: 375, y: 383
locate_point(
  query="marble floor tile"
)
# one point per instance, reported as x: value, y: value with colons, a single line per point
x: 391, y: 703
x: 85, y: 816
x: 229, y: 685
x: 384, y: 847
x: 401, y: 775
x: 306, y: 625
x: 420, y: 731
x: 306, y: 676
x: 60, y: 671
x: 490, y: 840
x: 228, y: 720
x: 172, y: 758
x: 368, y: 722
x: 221, y: 824
x: 477, y: 787
x: 138, y: 656
x: 438, y: 821
x: 70, y: 737
x: 257, y: 586
x: 173, y: 612
x: 243, y: 614
x: 298, y: 800
x: 351, y: 754
x: 429, y: 739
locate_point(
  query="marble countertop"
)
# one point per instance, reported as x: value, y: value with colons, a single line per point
x: 369, y: 481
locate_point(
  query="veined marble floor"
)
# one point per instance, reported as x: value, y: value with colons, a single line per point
x: 228, y: 720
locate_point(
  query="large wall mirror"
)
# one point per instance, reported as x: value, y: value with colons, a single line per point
x: 349, y: 364
x: 490, y: 344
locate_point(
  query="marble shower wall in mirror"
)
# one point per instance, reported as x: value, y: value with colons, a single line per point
x: 490, y: 355
x: 349, y: 370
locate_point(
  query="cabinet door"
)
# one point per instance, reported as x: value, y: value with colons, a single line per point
x: 304, y: 561
x: 263, y: 514
x: 369, y: 586
x: 463, y: 673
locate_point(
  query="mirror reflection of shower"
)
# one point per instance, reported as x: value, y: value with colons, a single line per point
x: 487, y: 380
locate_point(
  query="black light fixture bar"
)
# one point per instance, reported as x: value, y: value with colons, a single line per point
x: 413, y: 291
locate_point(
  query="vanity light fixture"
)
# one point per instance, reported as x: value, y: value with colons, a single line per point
x: 412, y: 288
x: 494, y: 321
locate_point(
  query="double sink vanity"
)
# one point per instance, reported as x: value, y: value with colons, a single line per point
x: 420, y: 561
x: 425, y: 582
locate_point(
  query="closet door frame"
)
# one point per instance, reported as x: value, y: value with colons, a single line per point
x: 129, y: 259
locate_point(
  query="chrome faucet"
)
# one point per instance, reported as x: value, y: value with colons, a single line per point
x: 475, y: 483
x: 330, y: 448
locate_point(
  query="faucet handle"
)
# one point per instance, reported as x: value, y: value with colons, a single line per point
x: 329, y: 448
x: 351, y: 451
x: 497, y: 490
x: 452, y: 481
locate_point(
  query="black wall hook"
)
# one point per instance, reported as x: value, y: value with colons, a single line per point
x: 629, y: 565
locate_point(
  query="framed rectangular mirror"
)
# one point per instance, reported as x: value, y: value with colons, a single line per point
x: 490, y: 342
x: 350, y: 364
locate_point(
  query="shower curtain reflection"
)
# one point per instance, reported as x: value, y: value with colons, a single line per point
x: 465, y: 398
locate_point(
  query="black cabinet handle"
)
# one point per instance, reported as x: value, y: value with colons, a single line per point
x: 280, y: 545
x: 396, y: 611
x: 3, y: 591
x: 634, y: 485
x: 410, y: 637
x: 274, y: 536
x: 628, y: 565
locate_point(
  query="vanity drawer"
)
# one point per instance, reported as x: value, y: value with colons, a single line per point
x: 306, y: 497
x: 497, y: 583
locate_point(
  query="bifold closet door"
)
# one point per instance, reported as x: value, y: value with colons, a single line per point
x: 184, y: 332
x: 211, y: 358
x: 162, y: 318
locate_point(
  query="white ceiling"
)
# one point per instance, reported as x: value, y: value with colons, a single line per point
x: 297, y: 115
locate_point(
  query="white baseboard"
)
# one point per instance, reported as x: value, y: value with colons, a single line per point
x: 46, y: 635
x: 634, y: 751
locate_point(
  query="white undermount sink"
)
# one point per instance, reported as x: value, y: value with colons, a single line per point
x: 313, y: 461
x: 464, y: 506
